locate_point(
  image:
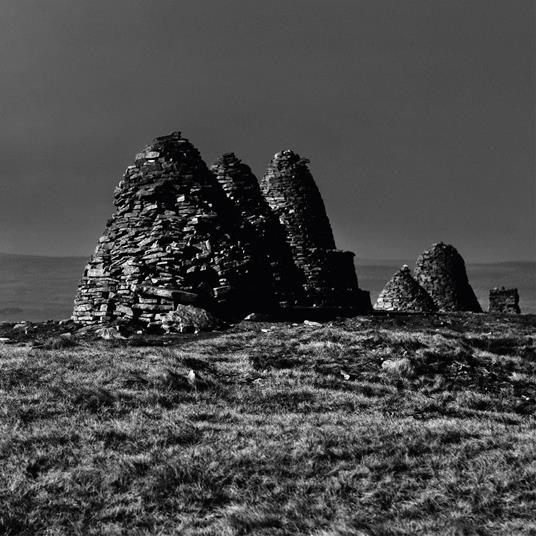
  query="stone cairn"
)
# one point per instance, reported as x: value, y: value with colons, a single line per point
x: 263, y: 233
x: 441, y: 272
x: 174, y: 239
x: 403, y: 294
x: 328, y: 273
x: 504, y: 300
x: 184, y: 240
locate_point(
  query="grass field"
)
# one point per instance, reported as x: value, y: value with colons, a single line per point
x: 369, y: 426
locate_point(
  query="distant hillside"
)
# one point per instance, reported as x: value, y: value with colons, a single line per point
x: 38, y: 288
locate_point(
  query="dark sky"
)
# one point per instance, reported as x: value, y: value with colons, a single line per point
x: 417, y: 115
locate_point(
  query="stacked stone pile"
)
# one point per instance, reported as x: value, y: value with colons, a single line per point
x: 441, y: 272
x: 329, y: 274
x: 504, y: 300
x: 261, y: 230
x: 174, y: 239
x: 190, y: 243
x: 403, y: 294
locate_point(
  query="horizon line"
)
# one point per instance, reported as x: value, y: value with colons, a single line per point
x: 358, y: 259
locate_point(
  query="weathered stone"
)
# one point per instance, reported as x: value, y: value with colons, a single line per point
x: 504, y: 300
x: 175, y: 295
x: 109, y: 334
x: 441, y: 272
x: 188, y: 319
x: 402, y: 293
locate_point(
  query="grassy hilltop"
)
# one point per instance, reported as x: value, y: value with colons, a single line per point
x: 369, y: 426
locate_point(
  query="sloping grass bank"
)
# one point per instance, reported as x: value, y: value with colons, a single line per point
x: 372, y: 426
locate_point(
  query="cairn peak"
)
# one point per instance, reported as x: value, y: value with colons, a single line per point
x: 237, y: 180
x: 171, y: 146
x: 441, y: 271
x: 288, y: 158
x: 403, y: 294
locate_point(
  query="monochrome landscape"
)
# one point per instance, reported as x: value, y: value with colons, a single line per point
x: 267, y: 268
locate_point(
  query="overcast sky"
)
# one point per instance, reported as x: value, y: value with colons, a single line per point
x: 417, y: 115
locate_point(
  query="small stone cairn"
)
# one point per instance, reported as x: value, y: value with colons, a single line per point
x: 504, y: 300
x: 441, y: 272
x: 403, y: 294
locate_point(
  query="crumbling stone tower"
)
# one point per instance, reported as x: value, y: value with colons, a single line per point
x: 329, y: 274
x: 504, y: 300
x: 403, y: 294
x: 174, y: 239
x: 261, y: 231
x: 441, y: 272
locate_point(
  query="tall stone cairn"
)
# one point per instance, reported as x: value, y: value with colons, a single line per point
x: 441, y: 272
x: 174, y: 239
x: 403, y: 294
x: 329, y: 274
x: 262, y: 232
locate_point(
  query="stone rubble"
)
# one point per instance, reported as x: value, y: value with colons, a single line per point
x: 403, y: 294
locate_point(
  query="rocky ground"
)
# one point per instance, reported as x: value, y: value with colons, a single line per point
x: 379, y: 425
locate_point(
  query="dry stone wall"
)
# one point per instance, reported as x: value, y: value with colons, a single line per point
x: 504, y: 300
x: 174, y: 239
x: 403, y: 294
x: 441, y: 272
x: 329, y: 274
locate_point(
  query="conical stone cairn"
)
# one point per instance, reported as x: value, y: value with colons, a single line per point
x: 441, y: 272
x: 403, y: 294
x: 174, y: 239
x: 261, y: 231
x: 328, y: 274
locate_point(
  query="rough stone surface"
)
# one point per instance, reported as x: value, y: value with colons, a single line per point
x: 504, y: 300
x: 186, y: 236
x: 188, y: 319
x: 261, y: 230
x: 402, y: 293
x: 328, y: 274
x: 174, y: 238
x: 441, y: 272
